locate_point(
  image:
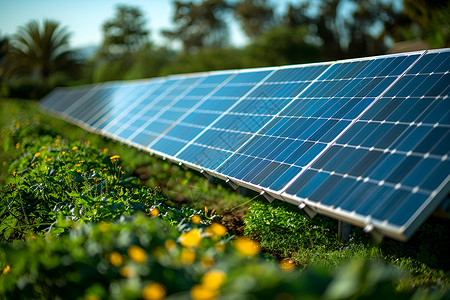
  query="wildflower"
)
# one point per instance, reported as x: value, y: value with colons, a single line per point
x: 246, y: 246
x: 114, y: 157
x: 77, y: 165
x: 137, y: 254
x: 170, y: 244
x: 216, y: 229
x: 115, y: 259
x: 196, y: 219
x: 105, y: 150
x: 154, y: 291
x: 37, y: 154
x: 200, y: 292
x: 214, y: 279
x: 206, y: 209
x: 43, y: 147
x: 14, y: 173
x: 127, y: 271
x: 191, y: 238
x: 154, y: 212
x: 6, y: 269
x: 287, y: 265
x: 74, y: 148
x: 207, y: 261
x: 187, y: 256
x: 17, y: 146
x: 64, y: 153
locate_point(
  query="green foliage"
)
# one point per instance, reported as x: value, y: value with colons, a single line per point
x: 124, y: 33
x: 281, y: 46
x: 284, y: 230
x: 124, y: 259
x: 281, y: 223
x: 53, y: 180
x: 40, y: 51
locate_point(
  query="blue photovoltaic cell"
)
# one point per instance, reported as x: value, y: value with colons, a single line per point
x: 365, y: 140
x: 394, y: 155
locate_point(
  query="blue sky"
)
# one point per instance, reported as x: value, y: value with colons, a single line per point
x: 84, y: 18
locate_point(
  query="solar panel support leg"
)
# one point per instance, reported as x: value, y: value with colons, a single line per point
x: 233, y: 185
x: 344, y: 231
x: 267, y: 196
x: 205, y: 174
x: 308, y: 210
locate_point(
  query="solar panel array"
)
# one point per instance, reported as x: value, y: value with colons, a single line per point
x: 363, y: 140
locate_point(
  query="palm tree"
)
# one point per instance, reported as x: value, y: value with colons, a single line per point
x: 40, y: 52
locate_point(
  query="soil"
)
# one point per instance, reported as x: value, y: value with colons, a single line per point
x: 233, y: 221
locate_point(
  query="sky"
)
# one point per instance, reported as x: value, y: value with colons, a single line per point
x: 84, y: 18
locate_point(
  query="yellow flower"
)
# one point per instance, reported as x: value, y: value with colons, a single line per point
x: 287, y: 265
x: 217, y: 229
x: 170, y: 244
x: 77, y: 165
x: 196, y: 219
x: 200, y: 292
x: 137, y: 254
x: 214, y: 279
x: 6, y: 269
x: 207, y: 261
x: 74, y: 148
x: 105, y: 150
x: 127, y: 272
x: 187, y: 256
x: 191, y: 238
x: 154, y: 291
x: 114, y: 157
x: 115, y: 259
x: 37, y: 154
x: 17, y: 146
x: 154, y: 212
x: 246, y: 246
x: 64, y: 153
x: 43, y: 147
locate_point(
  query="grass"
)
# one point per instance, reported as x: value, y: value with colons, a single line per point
x: 47, y: 194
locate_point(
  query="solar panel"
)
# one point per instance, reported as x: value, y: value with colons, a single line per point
x: 362, y: 140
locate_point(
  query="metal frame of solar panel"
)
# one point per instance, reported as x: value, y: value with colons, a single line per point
x: 363, y: 140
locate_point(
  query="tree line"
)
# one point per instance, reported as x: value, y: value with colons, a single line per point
x: 38, y: 57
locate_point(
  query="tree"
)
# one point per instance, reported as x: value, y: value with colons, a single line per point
x: 255, y: 16
x: 433, y: 17
x: 124, y: 33
x: 349, y: 28
x: 282, y: 45
x: 200, y: 25
x: 39, y: 52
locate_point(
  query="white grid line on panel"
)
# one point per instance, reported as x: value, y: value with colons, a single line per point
x: 348, y: 126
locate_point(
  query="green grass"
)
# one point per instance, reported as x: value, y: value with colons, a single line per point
x: 285, y: 231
